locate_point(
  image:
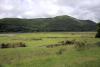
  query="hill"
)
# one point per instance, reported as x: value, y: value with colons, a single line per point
x: 59, y: 23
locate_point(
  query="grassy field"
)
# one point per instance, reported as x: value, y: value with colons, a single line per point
x: 81, y: 49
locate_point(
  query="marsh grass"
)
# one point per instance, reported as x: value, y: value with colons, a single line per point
x: 70, y: 49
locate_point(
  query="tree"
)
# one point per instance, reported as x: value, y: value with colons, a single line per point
x: 98, y: 31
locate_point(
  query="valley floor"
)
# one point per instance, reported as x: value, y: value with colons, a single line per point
x: 50, y: 49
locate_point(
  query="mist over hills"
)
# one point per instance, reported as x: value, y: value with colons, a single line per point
x: 57, y: 24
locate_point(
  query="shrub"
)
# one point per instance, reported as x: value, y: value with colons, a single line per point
x: 3, y: 45
x: 62, y: 43
x: 81, y: 45
x: 67, y: 42
x: 12, y: 45
x: 50, y: 46
x: 21, y: 44
x: 98, y: 31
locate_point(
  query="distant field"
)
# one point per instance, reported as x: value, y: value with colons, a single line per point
x: 50, y: 49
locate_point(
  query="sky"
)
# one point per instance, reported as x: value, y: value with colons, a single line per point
x: 81, y: 9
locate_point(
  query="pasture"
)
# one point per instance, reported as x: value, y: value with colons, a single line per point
x: 50, y: 49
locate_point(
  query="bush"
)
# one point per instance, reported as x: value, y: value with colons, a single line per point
x: 67, y: 42
x: 98, y: 31
x: 98, y: 44
x: 3, y: 45
x: 81, y: 45
x: 62, y: 43
x: 12, y: 45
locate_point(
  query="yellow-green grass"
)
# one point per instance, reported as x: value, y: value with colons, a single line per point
x: 37, y: 55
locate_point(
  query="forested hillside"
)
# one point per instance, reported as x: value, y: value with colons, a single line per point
x: 59, y: 23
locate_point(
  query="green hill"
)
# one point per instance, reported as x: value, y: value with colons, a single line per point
x: 59, y: 23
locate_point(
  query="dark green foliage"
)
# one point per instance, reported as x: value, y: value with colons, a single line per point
x: 59, y: 23
x: 98, y: 31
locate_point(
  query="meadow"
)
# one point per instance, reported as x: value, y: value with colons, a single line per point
x: 50, y: 49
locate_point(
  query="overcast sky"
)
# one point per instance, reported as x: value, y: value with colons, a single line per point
x: 82, y: 9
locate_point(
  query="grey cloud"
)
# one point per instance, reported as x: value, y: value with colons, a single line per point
x: 82, y: 9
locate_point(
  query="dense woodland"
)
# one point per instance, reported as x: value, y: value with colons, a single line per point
x: 56, y: 24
